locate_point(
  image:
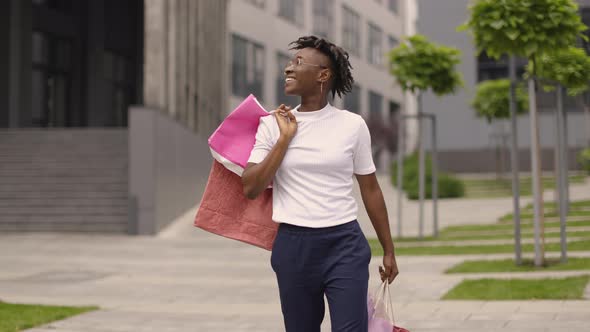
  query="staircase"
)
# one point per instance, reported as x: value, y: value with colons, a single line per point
x: 63, y: 180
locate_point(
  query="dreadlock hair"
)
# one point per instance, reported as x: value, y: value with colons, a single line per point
x: 340, y: 66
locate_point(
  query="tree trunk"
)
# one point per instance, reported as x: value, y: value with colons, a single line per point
x: 536, y: 176
x: 514, y: 163
x: 421, y: 169
x: 561, y: 171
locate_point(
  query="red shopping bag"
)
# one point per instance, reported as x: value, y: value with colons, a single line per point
x: 225, y: 210
x: 381, y: 311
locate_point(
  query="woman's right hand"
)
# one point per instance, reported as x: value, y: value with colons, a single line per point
x: 286, y: 121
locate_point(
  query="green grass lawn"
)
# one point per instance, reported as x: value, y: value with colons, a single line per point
x: 17, y: 317
x: 448, y: 237
x: 571, y: 288
x: 582, y: 245
x: 484, y: 188
x: 447, y: 231
x: 508, y: 265
x: 529, y: 215
x: 497, y: 231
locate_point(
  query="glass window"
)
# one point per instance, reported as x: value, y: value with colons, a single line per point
x: 375, y: 105
x: 375, y: 51
x: 38, y: 98
x: 257, y: 3
x: 352, y: 100
x: 322, y: 18
x: 392, y: 42
x: 351, y: 37
x: 59, y: 5
x: 394, y: 108
x: 40, y: 48
x: 282, y: 98
x: 239, y: 59
x: 63, y: 54
x: 117, y: 73
x: 247, y: 68
x: 292, y: 11
x: 585, y: 13
x: 393, y: 6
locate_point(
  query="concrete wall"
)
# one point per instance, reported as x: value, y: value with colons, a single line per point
x: 184, y: 94
x: 4, y: 56
x: 184, y: 68
x: 462, y: 137
x: 19, y: 62
x: 168, y: 169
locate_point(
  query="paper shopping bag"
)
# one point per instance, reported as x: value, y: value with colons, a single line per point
x: 225, y: 210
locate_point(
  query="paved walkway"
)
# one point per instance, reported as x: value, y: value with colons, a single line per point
x: 205, y: 283
x: 189, y: 280
x: 451, y: 211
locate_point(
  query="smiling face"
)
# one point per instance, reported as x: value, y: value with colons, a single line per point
x: 305, y: 72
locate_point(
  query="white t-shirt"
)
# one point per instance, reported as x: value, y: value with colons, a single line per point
x: 313, y: 185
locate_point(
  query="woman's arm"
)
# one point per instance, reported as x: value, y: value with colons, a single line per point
x: 375, y: 204
x: 256, y: 177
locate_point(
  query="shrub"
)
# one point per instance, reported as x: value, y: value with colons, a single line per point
x: 584, y: 159
x: 448, y: 185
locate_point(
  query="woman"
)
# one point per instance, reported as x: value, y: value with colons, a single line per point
x: 310, y: 154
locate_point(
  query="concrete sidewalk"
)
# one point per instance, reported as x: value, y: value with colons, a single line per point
x: 202, y: 282
x: 455, y: 211
x: 188, y: 280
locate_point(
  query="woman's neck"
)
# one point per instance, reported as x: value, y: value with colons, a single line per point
x: 313, y: 103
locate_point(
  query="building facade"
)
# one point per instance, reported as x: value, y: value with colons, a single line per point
x: 467, y: 143
x: 260, y: 31
x: 73, y: 156
x: 83, y: 63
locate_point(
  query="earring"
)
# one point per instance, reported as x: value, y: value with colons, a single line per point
x: 321, y: 87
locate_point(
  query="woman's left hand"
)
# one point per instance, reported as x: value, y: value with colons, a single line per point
x: 390, y: 271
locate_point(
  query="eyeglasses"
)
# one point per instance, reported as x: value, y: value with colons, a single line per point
x: 299, y: 62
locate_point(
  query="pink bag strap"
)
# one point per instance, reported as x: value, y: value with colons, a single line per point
x: 380, y: 295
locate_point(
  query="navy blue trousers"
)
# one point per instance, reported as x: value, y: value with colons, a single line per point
x: 311, y: 262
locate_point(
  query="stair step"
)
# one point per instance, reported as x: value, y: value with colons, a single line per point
x: 63, y: 202
x: 55, y: 187
x: 81, y: 162
x: 63, y: 210
x: 64, y: 179
x: 63, y: 194
x: 64, y: 227
x: 54, y: 167
x: 56, y: 159
x: 65, y: 219
x: 71, y: 172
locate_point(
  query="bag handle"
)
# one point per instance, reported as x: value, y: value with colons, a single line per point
x: 380, y: 294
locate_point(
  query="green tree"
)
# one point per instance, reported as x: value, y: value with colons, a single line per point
x: 492, y: 100
x: 419, y: 65
x: 568, y: 67
x: 527, y: 28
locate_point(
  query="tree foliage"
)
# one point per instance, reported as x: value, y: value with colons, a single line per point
x: 524, y: 27
x: 419, y: 65
x: 569, y: 67
x: 492, y: 99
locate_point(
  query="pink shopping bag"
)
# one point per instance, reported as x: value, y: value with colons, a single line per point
x: 225, y: 211
x: 235, y: 137
x: 381, y: 311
